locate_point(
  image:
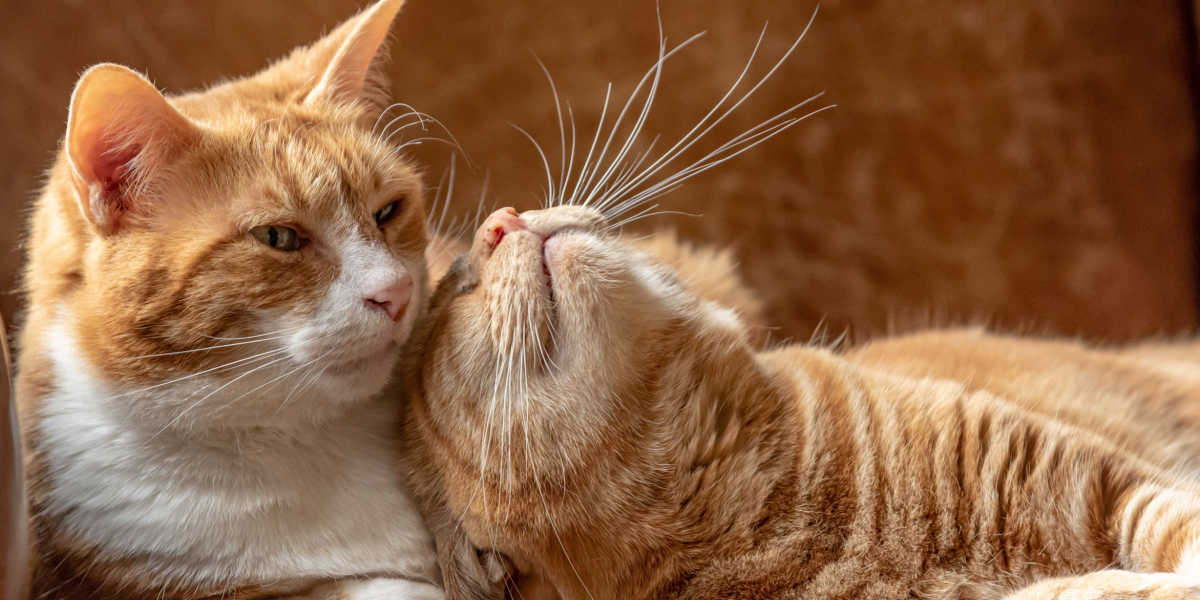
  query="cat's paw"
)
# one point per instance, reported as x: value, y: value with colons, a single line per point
x: 1112, y: 585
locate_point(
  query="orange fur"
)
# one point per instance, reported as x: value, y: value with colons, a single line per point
x: 653, y: 453
x: 141, y: 253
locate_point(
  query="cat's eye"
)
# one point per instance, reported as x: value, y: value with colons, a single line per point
x: 278, y: 237
x: 386, y: 213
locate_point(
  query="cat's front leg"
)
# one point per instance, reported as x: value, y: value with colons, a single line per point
x: 373, y: 589
x: 1112, y: 584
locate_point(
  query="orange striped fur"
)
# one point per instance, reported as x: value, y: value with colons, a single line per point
x: 614, y: 434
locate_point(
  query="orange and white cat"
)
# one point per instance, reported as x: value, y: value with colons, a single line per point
x: 579, y: 409
x: 218, y: 285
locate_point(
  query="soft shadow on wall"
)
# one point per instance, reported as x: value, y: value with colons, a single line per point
x: 1026, y: 163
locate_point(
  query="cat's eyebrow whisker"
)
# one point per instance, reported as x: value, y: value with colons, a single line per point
x: 411, y: 112
x: 388, y: 138
x: 422, y: 119
x: 422, y: 140
x: 387, y: 110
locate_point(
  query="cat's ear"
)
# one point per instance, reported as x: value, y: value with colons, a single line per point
x: 355, y: 71
x: 120, y: 132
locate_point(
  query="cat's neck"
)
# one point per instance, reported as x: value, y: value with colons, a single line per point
x: 720, y: 449
x: 207, y: 506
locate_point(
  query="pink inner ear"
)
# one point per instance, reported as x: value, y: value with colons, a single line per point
x: 110, y: 165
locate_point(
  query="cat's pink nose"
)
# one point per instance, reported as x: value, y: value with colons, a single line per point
x: 392, y: 298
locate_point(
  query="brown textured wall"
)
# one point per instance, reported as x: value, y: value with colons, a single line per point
x: 1025, y: 161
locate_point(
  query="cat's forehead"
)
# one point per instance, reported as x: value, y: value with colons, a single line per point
x: 316, y: 165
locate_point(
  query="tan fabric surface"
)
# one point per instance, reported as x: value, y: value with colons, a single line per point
x: 1028, y: 161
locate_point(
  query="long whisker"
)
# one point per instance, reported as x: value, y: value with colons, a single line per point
x: 187, y: 410
x: 251, y: 337
x: 649, y: 212
x: 304, y: 380
x: 562, y: 136
x: 710, y: 160
x: 693, y: 136
x: 653, y: 75
x: 658, y: 163
x: 640, y: 121
x: 571, y: 160
x: 204, y: 372
x: 579, y: 181
x: 545, y: 162
x: 208, y: 348
x: 275, y: 379
x: 387, y: 110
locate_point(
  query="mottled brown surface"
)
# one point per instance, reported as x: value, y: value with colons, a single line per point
x: 1031, y: 162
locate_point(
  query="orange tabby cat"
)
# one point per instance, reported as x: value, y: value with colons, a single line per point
x: 218, y: 283
x: 583, y: 413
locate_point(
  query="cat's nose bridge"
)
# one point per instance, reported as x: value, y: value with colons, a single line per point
x: 374, y: 275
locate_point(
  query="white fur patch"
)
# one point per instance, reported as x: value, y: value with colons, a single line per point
x: 250, y: 507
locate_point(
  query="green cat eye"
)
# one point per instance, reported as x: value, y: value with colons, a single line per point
x: 386, y: 213
x: 278, y: 237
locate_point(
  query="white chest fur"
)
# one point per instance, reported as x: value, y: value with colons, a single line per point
x: 249, y: 507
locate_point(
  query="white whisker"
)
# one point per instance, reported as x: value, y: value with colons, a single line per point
x: 210, y: 394
x: 562, y: 137
x: 545, y: 162
x: 208, y: 348
x: 654, y: 75
x: 710, y: 160
x: 579, y: 181
x: 204, y: 372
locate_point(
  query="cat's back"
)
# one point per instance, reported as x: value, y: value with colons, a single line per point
x: 1145, y: 399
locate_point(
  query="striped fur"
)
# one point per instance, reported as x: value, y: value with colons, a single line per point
x: 585, y: 414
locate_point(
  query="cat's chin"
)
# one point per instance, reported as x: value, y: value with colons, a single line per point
x: 381, y: 359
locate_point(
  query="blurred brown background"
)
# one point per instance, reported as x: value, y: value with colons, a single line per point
x: 1031, y: 163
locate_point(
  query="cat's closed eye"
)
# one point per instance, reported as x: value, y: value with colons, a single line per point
x: 388, y: 212
x: 278, y: 237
